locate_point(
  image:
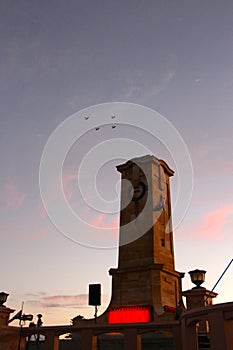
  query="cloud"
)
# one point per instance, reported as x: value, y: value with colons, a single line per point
x: 168, y: 77
x: 69, y: 181
x: 214, y: 222
x: 42, y: 233
x: 37, y: 294
x: 68, y: 300
x: 32, y: 233
x: 147, y: 84
x: 40, y: 209
x: 13, y: 198
x: 65, y: 300
x: 105, y: 220
x: 212, y: 156
x: 66, y: 184
x: 143, y: 93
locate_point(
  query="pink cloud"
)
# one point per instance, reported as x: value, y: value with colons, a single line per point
x: 214, y: 222
x: 69, y: 185
x: 41, y: 210
x: 115, y: 222
x: 34, y: 233
x: 65, y: 184
x: 98, y: 220
x: 209, y: 154
x: 105, y: 220
x: 13, y: 197
x: 68, y: 300
x: 65, y: 300
x: 42, y: 233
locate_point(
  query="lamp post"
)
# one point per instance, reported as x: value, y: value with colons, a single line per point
x: 4, y: 310
x: 3, y: 298
x: 197, y: 277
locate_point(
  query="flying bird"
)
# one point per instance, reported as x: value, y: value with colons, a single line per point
x: 113, y: 117
x: 97, y: 129
x: 86, y: 118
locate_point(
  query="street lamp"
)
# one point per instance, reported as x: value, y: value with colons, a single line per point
x: 197, y: 277
x: 3, y: 298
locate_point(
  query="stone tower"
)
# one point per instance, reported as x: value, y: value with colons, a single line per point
x: 146, y: 274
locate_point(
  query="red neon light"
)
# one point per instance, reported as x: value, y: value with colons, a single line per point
x: 129, y: 314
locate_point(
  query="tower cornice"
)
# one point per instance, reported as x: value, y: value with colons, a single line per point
x: 143, y: 160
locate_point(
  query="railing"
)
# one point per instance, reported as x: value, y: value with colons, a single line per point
x: 183, y: 332
x: 87, y: 334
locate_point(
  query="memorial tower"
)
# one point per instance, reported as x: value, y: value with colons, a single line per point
x: 146, y: 273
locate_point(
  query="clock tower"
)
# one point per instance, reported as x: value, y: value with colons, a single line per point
x: 146, y: 273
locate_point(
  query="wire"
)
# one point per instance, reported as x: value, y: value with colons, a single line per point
x: 219, y: 280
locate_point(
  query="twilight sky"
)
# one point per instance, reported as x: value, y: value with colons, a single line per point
x: 58, y: 57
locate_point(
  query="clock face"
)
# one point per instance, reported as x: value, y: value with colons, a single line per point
x: 138, y: 192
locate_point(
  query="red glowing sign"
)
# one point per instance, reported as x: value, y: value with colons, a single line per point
x: 129, y: 314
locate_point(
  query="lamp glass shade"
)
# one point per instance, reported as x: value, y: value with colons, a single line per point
x: 3, y: 298
x: 197, y: 277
